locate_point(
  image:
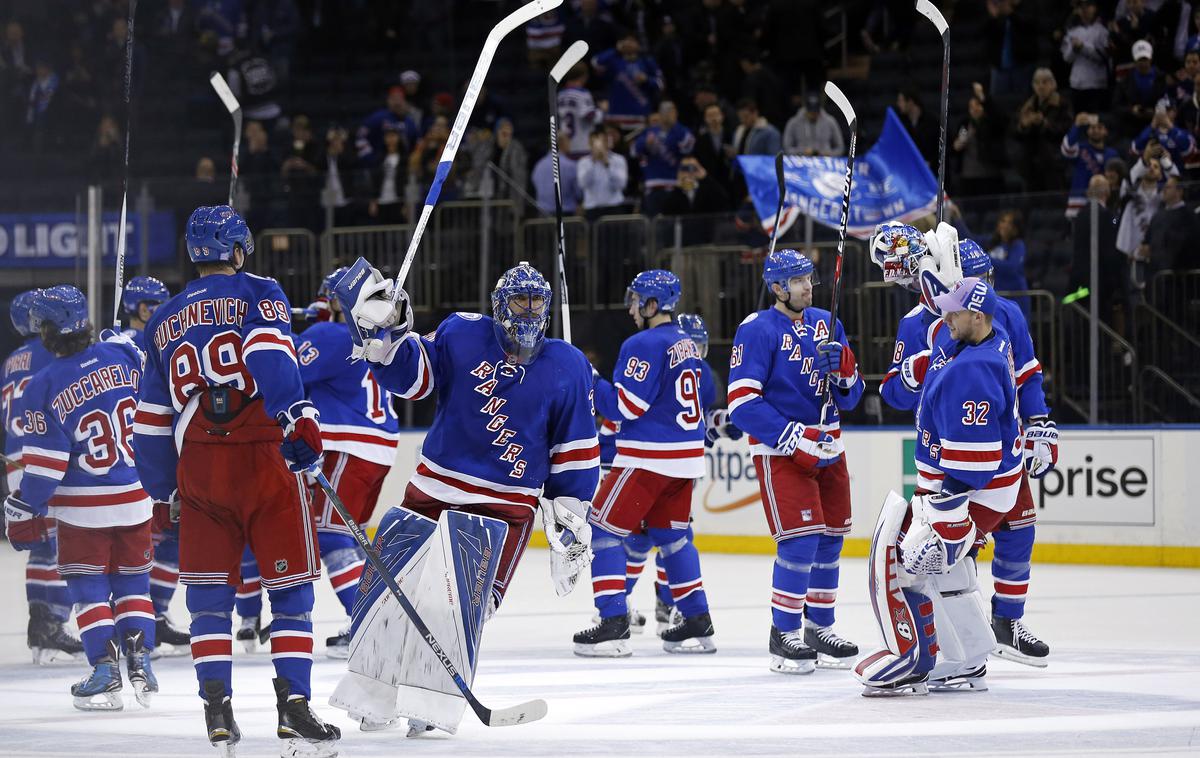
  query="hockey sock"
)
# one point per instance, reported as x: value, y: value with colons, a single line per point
x: 637, y: 552
x: 608, y: 573
x: 211, y: 606
x: 291, y: 636
x: 681, y: 561
x: 43, y: 583
x: 789, y: 582
x: 823, y: 584
x: 343, y: 564
x: 249, y: 592
x: 1010, y: 570
x: 662, y: 589
x: 90, y: 593
x: 164, y: 573
x: 134, y: 610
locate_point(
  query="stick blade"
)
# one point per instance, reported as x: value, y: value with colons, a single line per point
x: 930, y: 11
x: 835, y: 94
x: 524, y: 713
x: 222, y: 87
x: 573, y: 55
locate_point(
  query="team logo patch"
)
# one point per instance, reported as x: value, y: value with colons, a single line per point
x: 806, y: 515
x: 146, y: 555
x: 469, y: 316
x: 280, y: 566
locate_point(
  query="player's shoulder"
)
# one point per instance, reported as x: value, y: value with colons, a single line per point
x: 757, y: 322
x: 262, y: 285
x: 566, y: 357
x: 116, y: 352
x: 1009, y: 314
x: 464, y: 323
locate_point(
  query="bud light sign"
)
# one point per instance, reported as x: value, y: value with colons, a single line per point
x: 54, y: 240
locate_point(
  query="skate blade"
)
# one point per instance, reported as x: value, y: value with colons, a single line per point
x: 226, y: 749
x: 46, y: 656
x: 963, y: 685
x: 337, y: 653
x: 417, y: 728
x: 637, y: 628
x: 298, y: 747
x: 908, y: 690
x: 829, y: 662
x: 1009, y: 654
x: 691, y: 646
x: 366, y: 724
x: 108, y: 701
x: 142, y: 693
x: 610, y: 649
x: 781, y: 665
x: 167, y: 650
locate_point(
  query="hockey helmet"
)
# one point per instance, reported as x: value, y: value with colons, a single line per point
x: 213, y: 231
x: 975, y: 262
x: 327, y: 284
x: 693, y: 326
x: 144, y: 289
x: 897, y: 249
x: 783, y: 265
x: 63, y: 307
x: 18, y: 311
x: 521, y: 326
x: 661, y: 285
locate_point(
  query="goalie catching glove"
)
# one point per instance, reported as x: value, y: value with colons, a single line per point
x: 570, y: 538
x: 941, y: 533
x: 378, y: 324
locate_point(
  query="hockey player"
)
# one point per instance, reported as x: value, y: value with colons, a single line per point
x: 782, y: 359
x: 222, y: 380
x: 45, y: 589
x: 657, y: 395
x: 922, y: 337
x: 77, y: 415
x: 969, y: 452
x: 577, y: 113
x: 359, y: 431
x: 513, y: 423
x: 141, y: 297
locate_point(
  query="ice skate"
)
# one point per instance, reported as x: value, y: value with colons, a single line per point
x: 607, y: 639
x: 907, y: 687
x: 48, y: 639
x: 665, y: 616
x: 692, y: 635
x: 1016, y: 643
x: 637, y: 621
x: 168, y: 638
x: 970, y: 681
x: 137, y: 668
x: 338, y: 646
x: 368, y: 724
x: 832, y: 651
x: 304, y: 731
x: 417, y: 727
x: 789, y: 654
x: 247, y: 633
x: 223, y: 732
x: 101, y: 690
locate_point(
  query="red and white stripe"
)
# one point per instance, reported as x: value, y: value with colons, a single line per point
x: 608, y: 428
x: 660, y: 576
x: 43, y: 576
x: 774, y: 521
x: 346, y: 576
x: 291, y: 643
x: 821, y: 598
x: 312, y: 560
x: 630, y: 405
x: 576, y: 455
x: 999, y: 495
x: 153, y: 420
x: 102, y: 506
x: 13, y: 469
x: 1011, y: 590
x: 424, y: 382
x: 134, y: 606
x: 212, y: 648
x: 683, y: 589
x: 743, y: 391
x: 449, y: 486
x: 93, y: 616
x: 249, y: 589
x: 51, y: 464
x: 633, y: 569
x: 162, y: 575
x: 1028, y: 371
x: 77, y: 569
x: 374, y: 445
x: 607, y: 585
x: 604, y: 507
x: 268, y: 338
x: 787, y: 602
x: 204, y: 577
x: 682, y: 460
x: 971, y: 456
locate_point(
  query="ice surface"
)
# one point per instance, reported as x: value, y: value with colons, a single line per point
x: 1124, y: 678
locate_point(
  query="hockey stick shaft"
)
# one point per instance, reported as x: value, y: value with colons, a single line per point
x: 11, y: 462
x: 930, y: 11
x: 565, y: 63
x: 781, y: 186
x: 517, y: 18
x: 834, y: 93
x: 520, y: 714
x: 235, y: 111
x: 119, y: 275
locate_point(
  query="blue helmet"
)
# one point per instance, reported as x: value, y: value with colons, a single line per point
x: 656, y: 283
x: 213, y: 230
x: 63, y: 307
x: 782, y: 265
x: 693, y: 326
x: 975, y: 262
x: 521, y: 328
x: 18, y: 311
x: 329, y: 281
x: 144, y: 289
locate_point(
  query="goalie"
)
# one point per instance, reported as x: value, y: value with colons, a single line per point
x: 514, y: 423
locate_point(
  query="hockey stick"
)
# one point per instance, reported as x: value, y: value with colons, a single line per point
x: 930, y: 11
x: 782, y: 189
x: 834, y: 93
x: 9, y: 461
x: 518, y: 714
x: 509, y: 23
x: 568, y: 60
x: 119, y: 288
x: 235, y: 109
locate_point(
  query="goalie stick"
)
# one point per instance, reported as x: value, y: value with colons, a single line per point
x: 517, y: 714
x: 509, y: 23
x: 568, y: 60
x: 930, y: 11
x: 119, y: 275
x: 235, y: 110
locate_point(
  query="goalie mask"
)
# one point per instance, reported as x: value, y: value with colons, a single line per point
x: 521, y: 309
x: 897, y: 249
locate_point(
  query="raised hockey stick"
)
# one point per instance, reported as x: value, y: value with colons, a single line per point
x: 568, y: 60
x: 509, y: 23
x: 782, y: 189
x: 235, y: 110
x: 119, y: 275
x: 930, y: 11
x: 518, y: 714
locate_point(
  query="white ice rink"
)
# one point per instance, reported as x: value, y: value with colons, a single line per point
x: 1124, y: 678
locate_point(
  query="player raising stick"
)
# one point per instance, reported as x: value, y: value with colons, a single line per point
x: 781, y: 358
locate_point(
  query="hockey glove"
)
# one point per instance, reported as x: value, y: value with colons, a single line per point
x: 941, y: 533
x: 808, y: 446
x: 913, y: 370
x: 301, y: 446
x: 718, y: 426
x: 570, y: 538
x: 1041, y: 446
x: 836, y: 363
x: 24, y: 526
x: 166, y: 514
x: 366, y: 296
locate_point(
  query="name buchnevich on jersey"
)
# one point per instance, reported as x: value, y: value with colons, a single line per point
x: 218, y: 311
x: 96, y: 382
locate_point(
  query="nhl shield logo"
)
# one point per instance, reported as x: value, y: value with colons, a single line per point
x: 146, y: 555
x: 280, y: 566
x: 806, y: 514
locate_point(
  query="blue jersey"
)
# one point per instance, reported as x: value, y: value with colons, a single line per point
x: 967, y: 425
x: 138, y: 336
x: 502, y: 433
x: 219, y: 331
x: 773, y: 379
x: 1089, y: 161
x: 628, y: 100
x: 660, y: 152
x: 656, y: 394
x: 78, y: 424
x: 357, y: 416
x: 19, y: 368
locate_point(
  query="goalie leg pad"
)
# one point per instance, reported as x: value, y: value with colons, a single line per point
x: 964, y: 625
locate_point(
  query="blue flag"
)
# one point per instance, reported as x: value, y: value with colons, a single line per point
x: 891, y: 182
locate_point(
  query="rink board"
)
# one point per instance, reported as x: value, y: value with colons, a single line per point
x: 1119, y: 495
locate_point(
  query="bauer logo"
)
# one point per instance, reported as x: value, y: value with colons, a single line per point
x: 1102, y: 478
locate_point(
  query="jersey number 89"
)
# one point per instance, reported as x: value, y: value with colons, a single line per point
x: 217, y: 363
